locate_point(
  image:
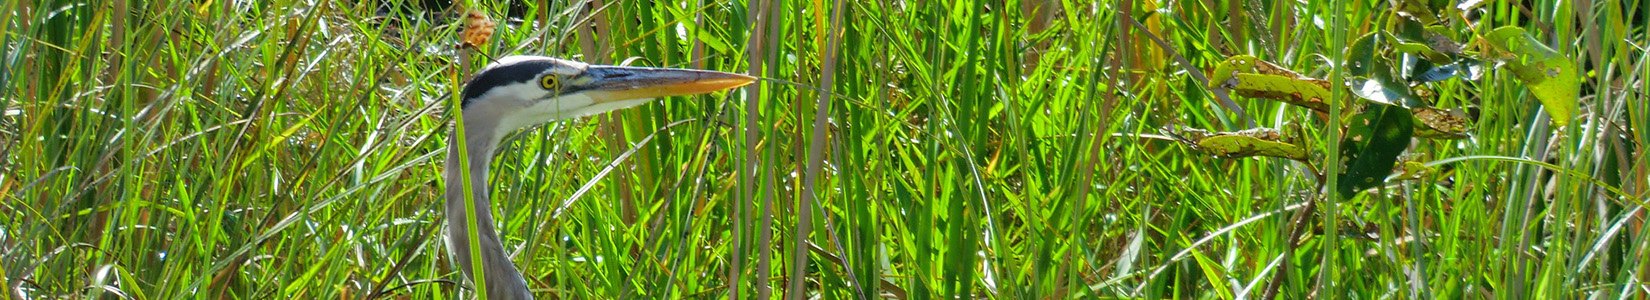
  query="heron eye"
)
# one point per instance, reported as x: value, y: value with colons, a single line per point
x: 550, y: 82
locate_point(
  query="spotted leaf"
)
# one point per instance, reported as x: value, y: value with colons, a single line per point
x: 1241, y: 145
x: 1552, y: 77
x: 1370, y: 149
x: 1251, y: 77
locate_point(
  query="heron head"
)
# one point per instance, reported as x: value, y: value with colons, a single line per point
x: 520, y: 91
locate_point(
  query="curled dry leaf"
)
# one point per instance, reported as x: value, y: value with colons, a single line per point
x: 1436, y: 123
x: 477, y: 29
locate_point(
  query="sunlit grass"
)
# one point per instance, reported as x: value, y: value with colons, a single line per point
x: 292, y: 150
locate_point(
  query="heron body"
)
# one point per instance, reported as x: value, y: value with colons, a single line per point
x: 520, y: 91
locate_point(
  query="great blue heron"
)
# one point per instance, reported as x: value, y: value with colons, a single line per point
x: 520, y: 91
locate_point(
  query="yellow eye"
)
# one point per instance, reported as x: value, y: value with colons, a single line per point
x: 550, y: 82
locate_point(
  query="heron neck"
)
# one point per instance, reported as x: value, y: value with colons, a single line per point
x: 479, y: 143
x: 504, y: 281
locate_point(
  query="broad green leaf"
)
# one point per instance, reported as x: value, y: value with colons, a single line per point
x: 1418, y: 71
x: 1374, y: 139
x: 1414, y: 9
x: 1406, y: 30
x: 1380, y: 87
x: 1549, y: 75
x: 1251, y: 77
x: 1422, y: 50
x: 1384, y: 91
x: 1360, y: 58
x: 1424, y: 71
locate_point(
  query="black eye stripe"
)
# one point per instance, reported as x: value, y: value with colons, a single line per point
x: 519, y: 72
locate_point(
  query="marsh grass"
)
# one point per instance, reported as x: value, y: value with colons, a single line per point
x: 913, y: 150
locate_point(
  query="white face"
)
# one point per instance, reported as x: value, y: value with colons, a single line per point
x: 521, y: 91
x: 569, y: 106
x: 522, y: 104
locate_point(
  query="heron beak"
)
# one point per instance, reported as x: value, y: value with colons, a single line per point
x: 614, y: 83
